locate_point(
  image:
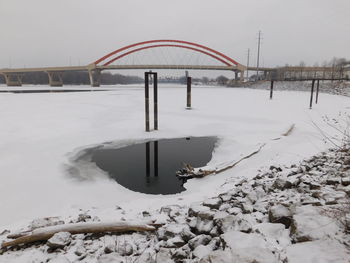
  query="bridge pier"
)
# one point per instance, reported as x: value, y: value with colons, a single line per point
x: 95, y: 77
x: 241, y: 79
x: 55, y: 78
x: 13, y: 79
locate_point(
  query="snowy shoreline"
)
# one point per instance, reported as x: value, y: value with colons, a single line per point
x: 274, y: 217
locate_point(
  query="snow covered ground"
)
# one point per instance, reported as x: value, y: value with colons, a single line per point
x: 42, y: 132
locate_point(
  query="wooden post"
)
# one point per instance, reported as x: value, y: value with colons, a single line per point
x: 147, y: 101
x: 312, y: 93
x: 148, y: 159
x: 155, y: 158
x: 317, y: 89
x: 189, y: 83
x: 155, y: 100
x: 271, y: 90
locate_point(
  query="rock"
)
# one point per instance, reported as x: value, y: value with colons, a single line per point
x: 195, y: 209
x: 172, y: 230
x: 281, y: 184
x: 199, y: 240
x: 248, y: 247
x: 164, y: 256
x: 175, y: 242
x: 275, y: 234
x: 332, y: 181
x: 147, y: 256
x: 234, y: 211
x: 83, y: 218
x: 79, y: 251
x: 311, y: 201
x: 204, y: 226
x: 213, y: 203
x: 239, y: 223
x: 160, y: 219
x: 345, y: 181
x: 208, y: 215
x: 124, y: 248
x: 224, y: 207
x: 322, y: 251
x: 59, y: 259
x: 308, y: 224
x: 109, y: 244
x: 224, y: 256
x: 59, y: 240
x: 201, y: 251
x: 111, y: 258
x: 247, y: 208
x: 181, y: 254
x: 280, y: 214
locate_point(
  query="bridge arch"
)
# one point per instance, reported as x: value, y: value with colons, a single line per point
x: 127, y: 50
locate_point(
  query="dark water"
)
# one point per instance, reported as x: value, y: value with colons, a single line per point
x: 150, y: 167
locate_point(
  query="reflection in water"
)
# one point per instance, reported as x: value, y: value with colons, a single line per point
x: 151, y: 167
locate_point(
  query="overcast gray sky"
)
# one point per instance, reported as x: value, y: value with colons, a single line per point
x: 55, y: 32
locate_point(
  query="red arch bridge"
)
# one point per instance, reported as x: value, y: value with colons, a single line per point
x: 115, y: 61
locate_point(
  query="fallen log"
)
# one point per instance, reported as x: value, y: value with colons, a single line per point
x: 189, y: 172
x: 45, y: 233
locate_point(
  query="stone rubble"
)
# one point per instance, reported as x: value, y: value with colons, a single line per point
x: 284, y: 214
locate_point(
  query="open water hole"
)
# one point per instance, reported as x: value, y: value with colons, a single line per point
x: 151, y: 167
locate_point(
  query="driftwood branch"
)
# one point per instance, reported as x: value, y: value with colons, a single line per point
x: 189, y: 172
x: 43, y: 234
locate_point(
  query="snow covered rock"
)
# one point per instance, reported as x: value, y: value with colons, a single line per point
x: 59, y: 259
x: 171, y: 230
x: 275, y: 234
x: 213, y: 203
x: 176, y: 241
x: 280, y: 214
x: 59, y: 240
x: 125, y: 249
x: 202, y: 251
x: 111, y: 258
x: 320, y: 251
x: 199, y: 240
x: 195, y: 209
x: 224, y: 256
x: 281, y: 184
x: 308, y: 224
x: 164, y: 256
x: 248, y: 247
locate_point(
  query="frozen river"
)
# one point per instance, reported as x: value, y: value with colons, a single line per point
x: 41, y: 132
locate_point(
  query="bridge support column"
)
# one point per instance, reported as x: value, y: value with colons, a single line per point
x: 95, y: 77
x: 13, y: 79
x: 241, y: 75
x: 236, y: 75
x: 55, y: 78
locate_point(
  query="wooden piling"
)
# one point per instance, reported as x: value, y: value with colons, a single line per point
x: 317, y: 90
x: 155, y: 100
x: 271, y: 89
x: 147, y: 101
x: 312, y: 93
x: 189, y: 84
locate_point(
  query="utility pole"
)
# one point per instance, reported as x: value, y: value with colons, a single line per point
x: 248, y: 63
x: 257, y: 62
